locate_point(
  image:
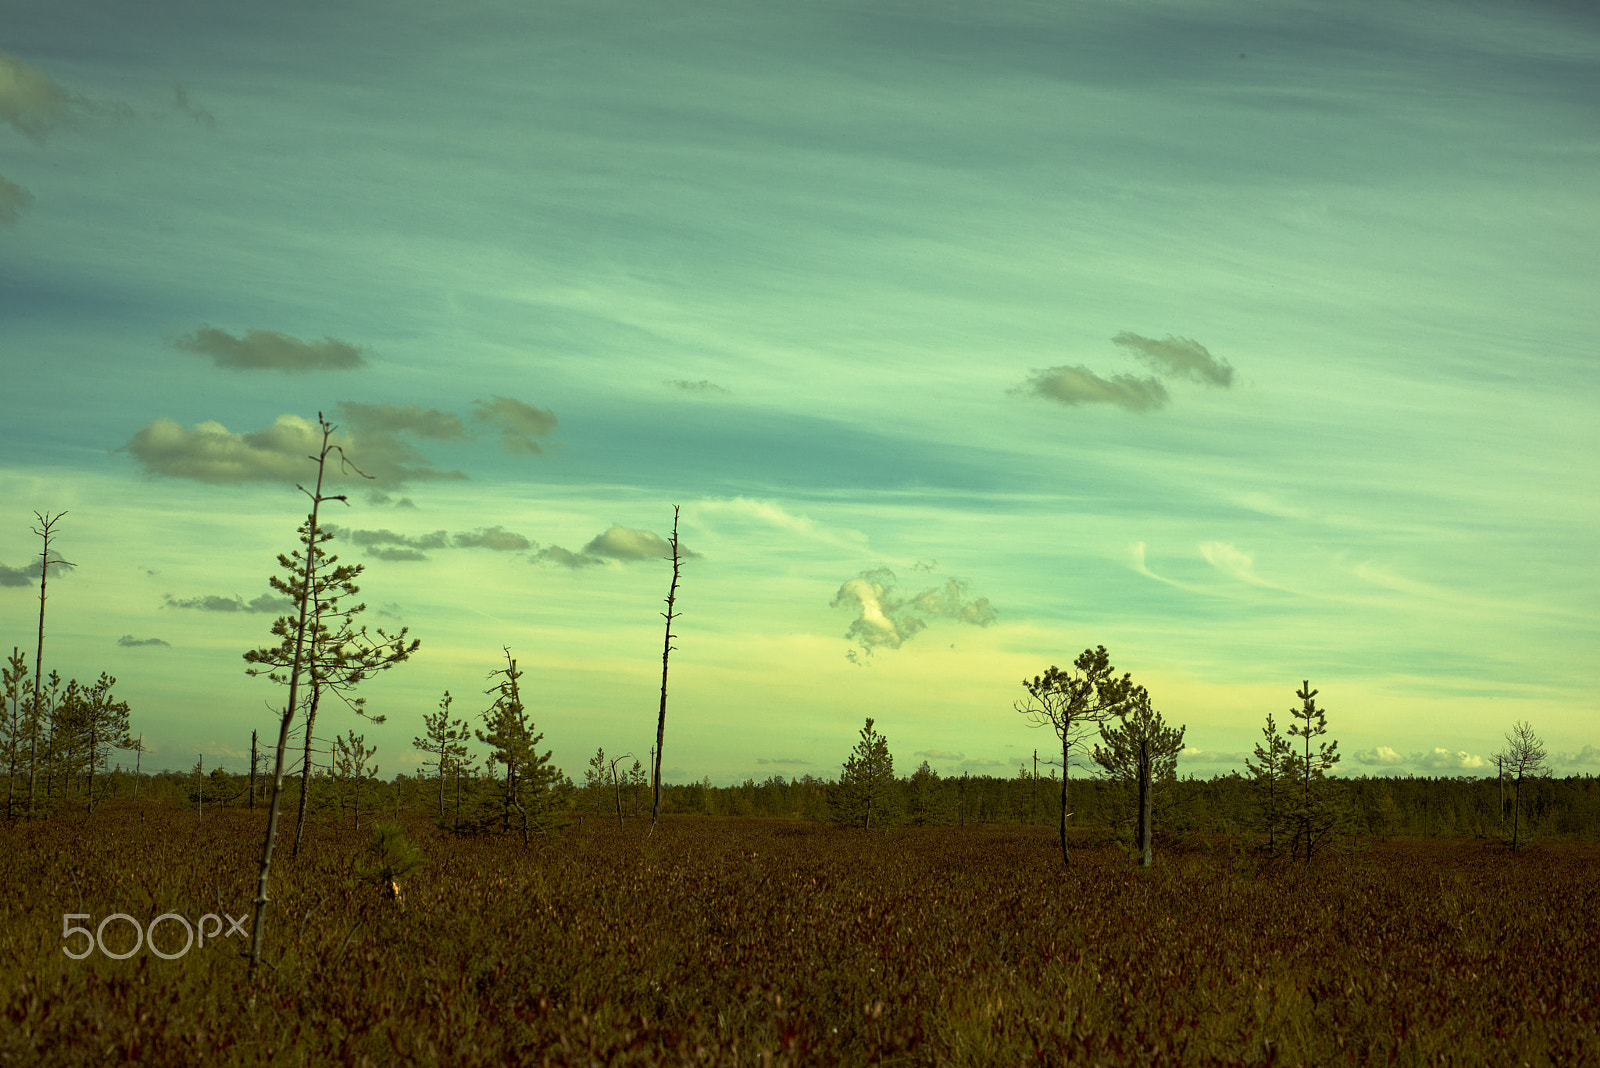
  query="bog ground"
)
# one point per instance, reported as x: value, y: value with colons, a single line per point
x: 749, y: 941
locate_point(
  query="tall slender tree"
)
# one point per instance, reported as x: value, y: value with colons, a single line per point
x: 666, y: 651
x: 1141, y: 752
x: 1315, y: 810
x: 1522, y: 758
x: 287, y: 662
x: 45, y: 529
x: 1071, y: 704
x: 14, y: 721
x: 1270, y: 777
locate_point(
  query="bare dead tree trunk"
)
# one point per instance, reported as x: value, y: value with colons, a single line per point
x: 201, y: 792
x: 252, y: 772
x: 45, y: 528
x: 666, y: 651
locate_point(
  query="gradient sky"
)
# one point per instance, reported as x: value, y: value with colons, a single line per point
x: 1255, y: 342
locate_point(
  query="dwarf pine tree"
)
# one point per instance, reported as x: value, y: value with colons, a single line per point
x: 1271, y: 783
x: 334, y: 654
x: 525, y: 791
x: 14, y: 721
x: 351, y: 769
x: 444, y: 738
x: 1141, y: 753
x: 866, y: 785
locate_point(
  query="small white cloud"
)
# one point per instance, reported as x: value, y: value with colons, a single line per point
x: 1381, y: 755
x: 1445, y: 760
x: 1587, y: 755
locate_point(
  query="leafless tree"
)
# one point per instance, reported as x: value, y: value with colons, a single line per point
x: 666, y: 651
x: 45, y: 529
x: 1522, y: 758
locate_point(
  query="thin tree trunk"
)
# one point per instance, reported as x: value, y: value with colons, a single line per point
x: 305, y: 765
x: 46, y: 522
x: 666, y: 651
x: 1516, y: 812
x: 1066, y: 746
x: 259, y: 914
x: 1146, y: 846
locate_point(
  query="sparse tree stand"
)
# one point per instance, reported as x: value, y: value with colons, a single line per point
x: 1072, y: 703
x: 666, y: 651
x: 1523, y: 758
x: 1141, y: 752
x: 288, y: 662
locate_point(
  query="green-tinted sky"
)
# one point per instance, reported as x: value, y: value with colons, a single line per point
x: 1253, y: 341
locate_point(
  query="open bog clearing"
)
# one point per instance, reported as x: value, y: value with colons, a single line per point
x: 749, y: 941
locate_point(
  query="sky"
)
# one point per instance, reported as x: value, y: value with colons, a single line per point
x: 1254, y: 342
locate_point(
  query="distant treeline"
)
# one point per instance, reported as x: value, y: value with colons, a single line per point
x: 1191, y: 807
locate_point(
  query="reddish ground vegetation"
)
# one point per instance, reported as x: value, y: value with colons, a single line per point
x: 722, y: 941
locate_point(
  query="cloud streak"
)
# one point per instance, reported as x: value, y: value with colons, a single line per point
x: 128, y: 641
x: 267, y: 602
x: 268, y: 350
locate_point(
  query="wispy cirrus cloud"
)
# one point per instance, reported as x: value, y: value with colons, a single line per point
x: 1178, y: 357
x: 704, y: 385
x: 269, y: 350
x: 518, y: 422
x: 1076, y: 386
x: 14, y: 200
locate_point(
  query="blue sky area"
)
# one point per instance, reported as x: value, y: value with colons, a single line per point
x: 1254, y: 342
